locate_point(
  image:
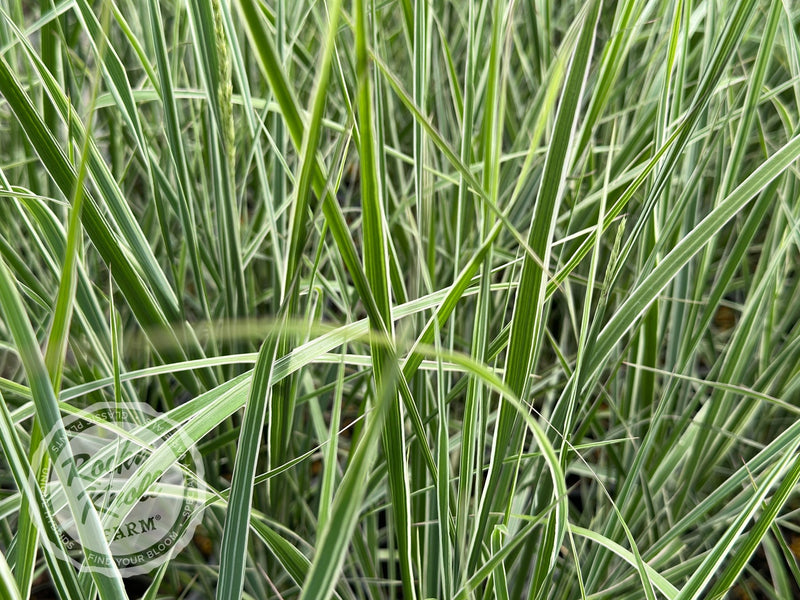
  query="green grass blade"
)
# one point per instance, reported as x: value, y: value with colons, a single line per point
x: 102, y: 565
x: 237, y: 520
x: 529, y: 312
x: 376, y: 268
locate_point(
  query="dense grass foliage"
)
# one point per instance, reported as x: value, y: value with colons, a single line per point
x: 480, y: 299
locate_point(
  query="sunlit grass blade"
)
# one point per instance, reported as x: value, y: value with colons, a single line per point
x: 7, y: 583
